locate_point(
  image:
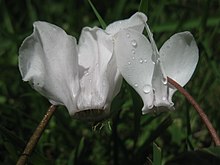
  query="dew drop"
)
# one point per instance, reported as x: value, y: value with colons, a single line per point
x: 86, y: 73
x: 164, y: 81
x: 135, y: 85
x: 147, y: 89
x: 172, y: 104
x: 128, y: 35
x: 134, y: 43
x: 145, y: 61
x: 164, y: 98
x: 151, y: 106
x: 133, y: 58
x: 133, y: 51
x: 141, y: 61
x: 153, y: 58
x: 129, y: 63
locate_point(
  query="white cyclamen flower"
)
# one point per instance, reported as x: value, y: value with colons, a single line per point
x: 146, y: 69
x: 84, y: 76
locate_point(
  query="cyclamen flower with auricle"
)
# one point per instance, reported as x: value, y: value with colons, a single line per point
x: 146, y: 69
x: 82, y: 77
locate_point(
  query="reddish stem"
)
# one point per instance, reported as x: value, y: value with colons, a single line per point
x: 200, y: 111
x: 36, y: 136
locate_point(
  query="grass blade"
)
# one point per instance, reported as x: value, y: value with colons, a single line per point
x: 143, y: 7
x: 157, y: 156
x: 101, y: 21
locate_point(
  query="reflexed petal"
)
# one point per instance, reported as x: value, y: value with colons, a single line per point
x: 135, y: 22
x: 160, y: 86
x: 48, y: 60
x: 99, y: 78
x: 159, y: 80
x: 179, y: 56
x: 133, y: 53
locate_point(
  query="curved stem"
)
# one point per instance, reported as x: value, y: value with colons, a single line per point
x: 200, y: 111
x: 36, y: 136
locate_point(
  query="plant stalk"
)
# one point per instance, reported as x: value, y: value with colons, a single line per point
x: 200, y: 111
x: 36, y: 136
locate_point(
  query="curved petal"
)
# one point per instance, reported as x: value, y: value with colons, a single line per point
x: 135, y: 22
x: 179, y: 56
x: 48, y: 60
x: 159, y: 80
x: 160, y: 86
x: 114, y: 78
x: 133, y: 53
x: 98, y: 80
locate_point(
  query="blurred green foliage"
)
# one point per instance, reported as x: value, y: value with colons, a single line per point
x: 177, y: 137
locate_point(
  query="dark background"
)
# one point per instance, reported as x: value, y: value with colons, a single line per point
x: 127, y: 137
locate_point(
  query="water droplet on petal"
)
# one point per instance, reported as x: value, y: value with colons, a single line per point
x: 134, y: 43
x: 136, y: 85
x: 129, y: 63
x: 145, y: 61
x: 164, y: 98
x: 147, y: 89
x: 150, y: 106
x: 141, y: 61
x: 133, y: 51
x: 86, y: 73
x: 153, y: 58
x: 128, y: 35
x: 133, y: 58
x: 164, y: 80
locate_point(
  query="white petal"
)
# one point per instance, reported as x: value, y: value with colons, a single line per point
x: 135, y: 22
x: 159, y: 80
x: 179, y: 56
x: 114, y: 78
x: 98, y: 80
x: 133, y: 53
x: 160, y: 86
x: 48, y: 60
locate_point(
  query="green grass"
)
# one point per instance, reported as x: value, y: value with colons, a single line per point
x: 127, y: 137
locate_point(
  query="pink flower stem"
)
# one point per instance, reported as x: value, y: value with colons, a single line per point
x: 36, y: 136
x: 200, y: 111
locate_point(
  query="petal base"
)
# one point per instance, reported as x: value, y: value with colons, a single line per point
x: 91, y: 114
